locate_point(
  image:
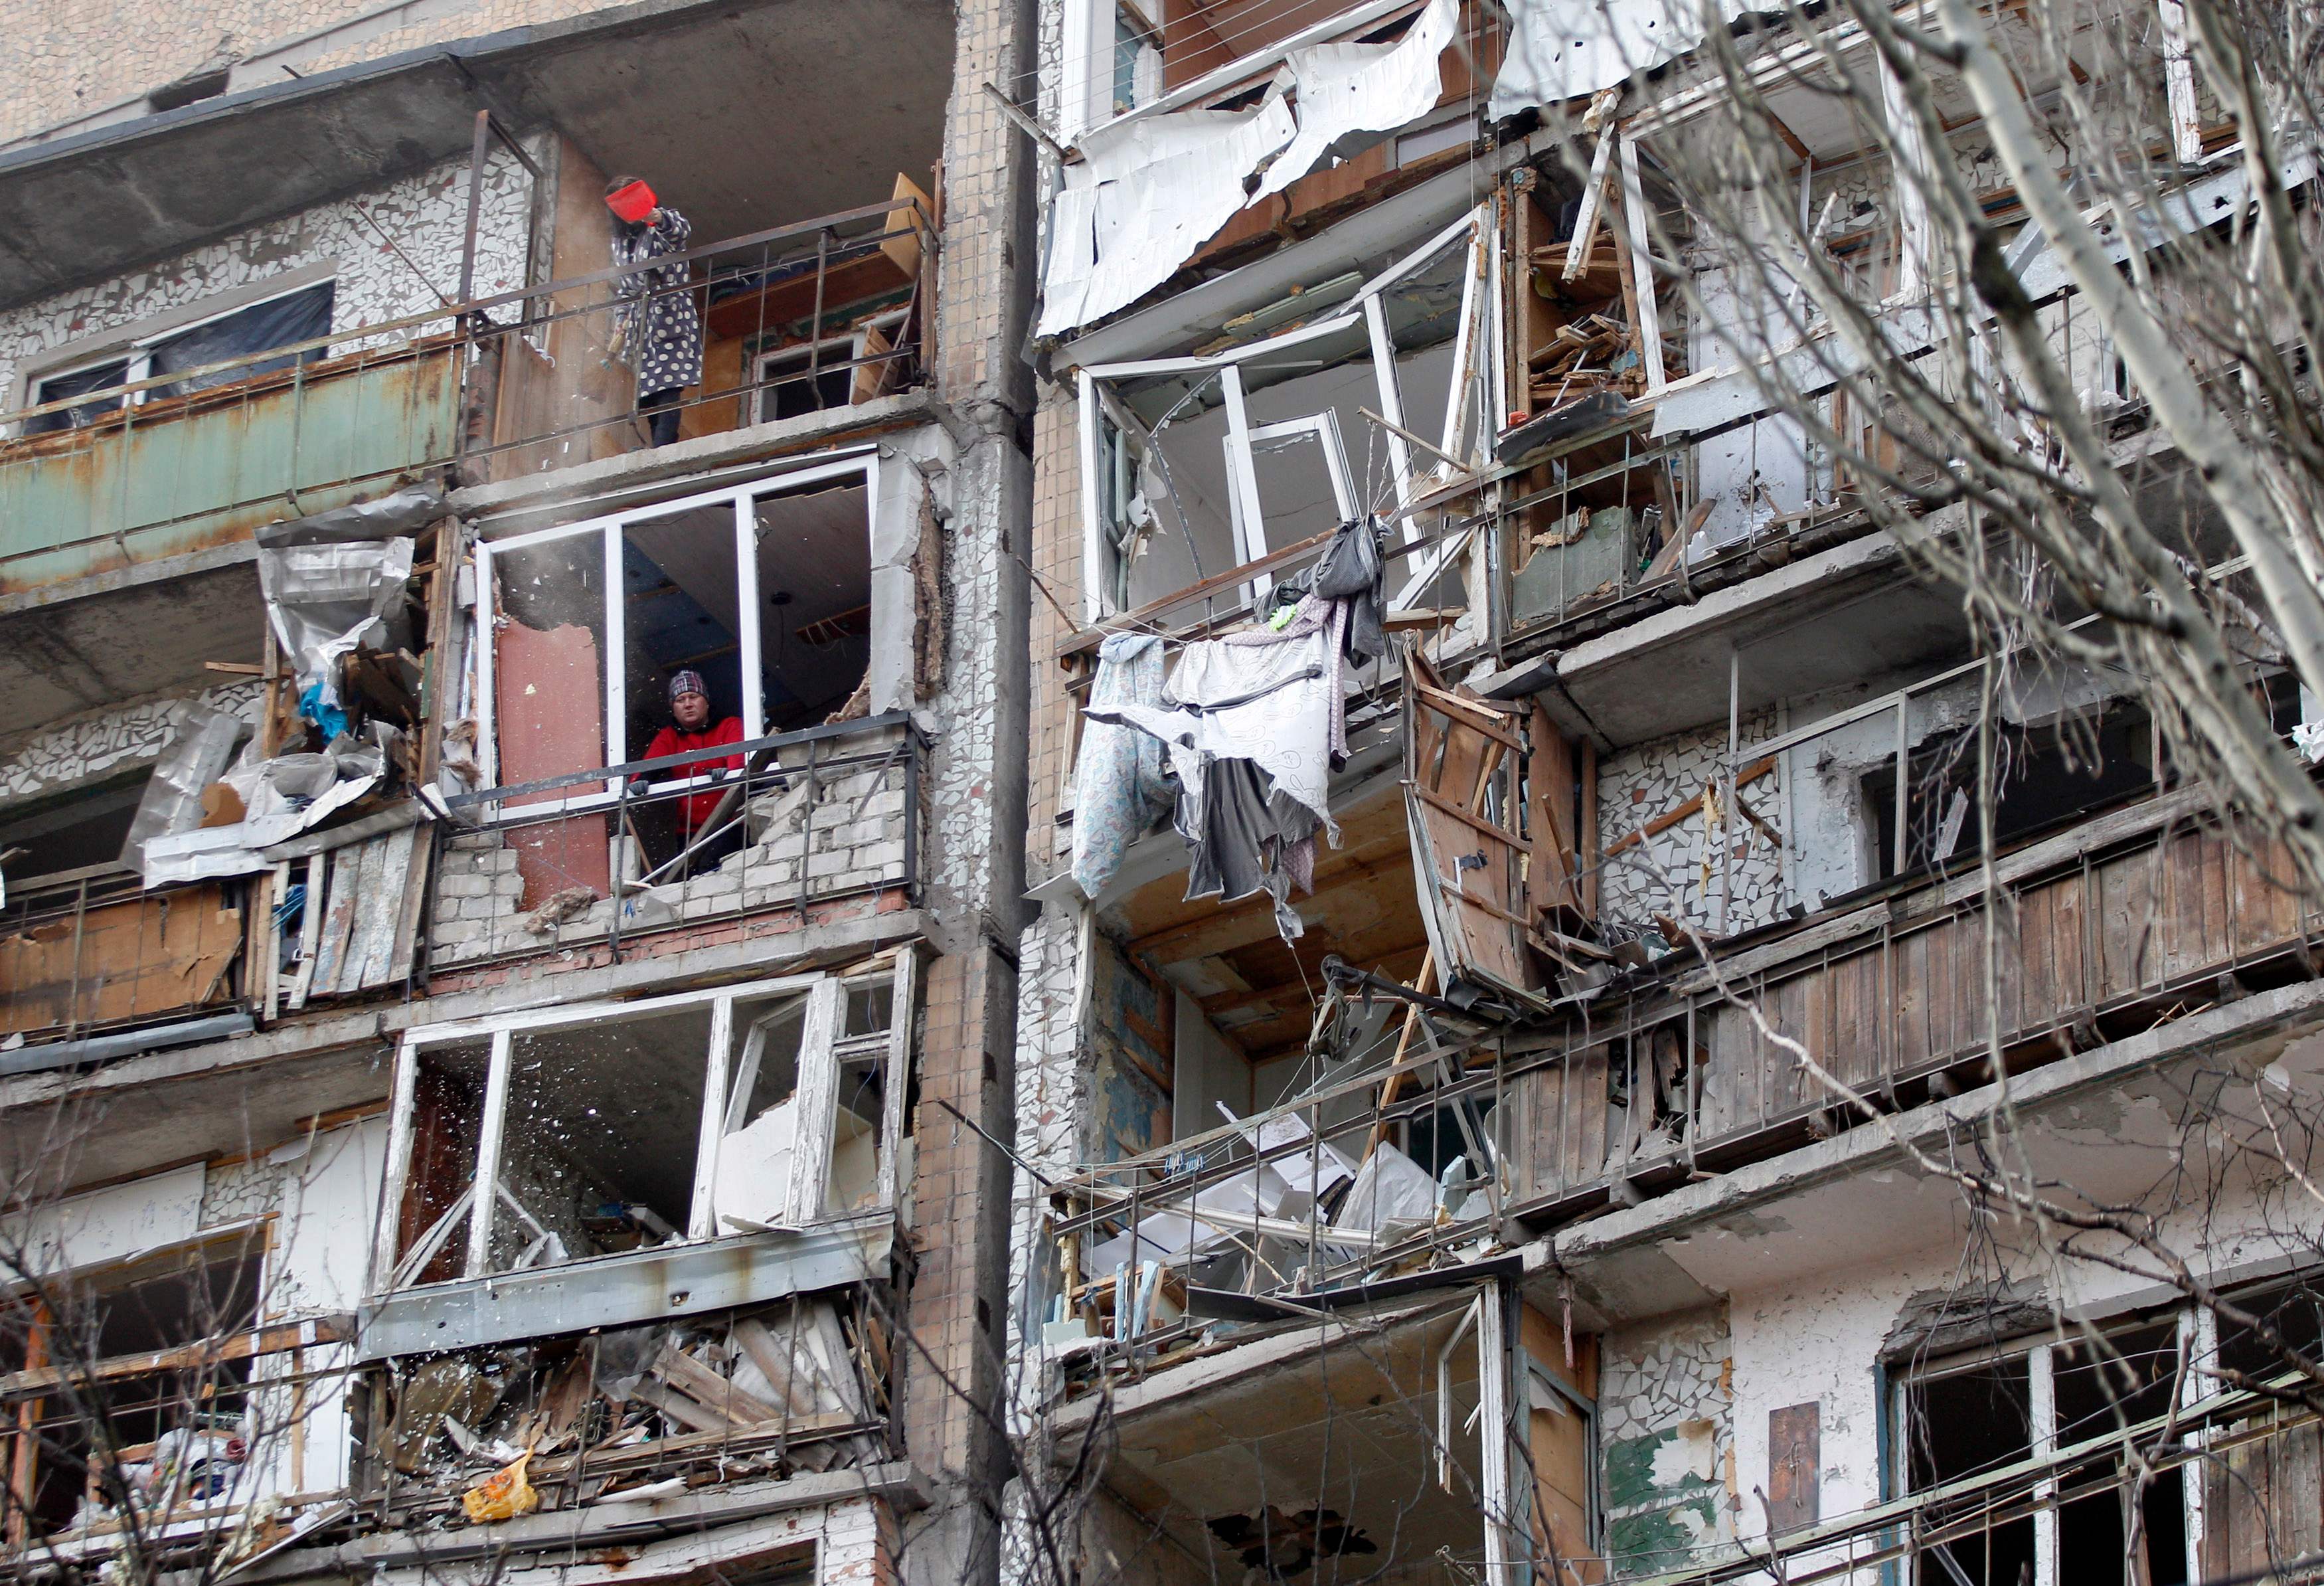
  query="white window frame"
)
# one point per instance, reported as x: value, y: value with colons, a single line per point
x: 609, y: 528
x: 139, y: 353
x: 1472, y: 413
x: 823, y: 1047
x: 2198, y: 1335
x: 1248, y: 522
x: 852, y: 343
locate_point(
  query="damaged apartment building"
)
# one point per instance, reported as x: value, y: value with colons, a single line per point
x: 1473, y: 732
x: 449, y: 1128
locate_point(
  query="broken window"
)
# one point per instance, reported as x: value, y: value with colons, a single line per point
x: 2046, y: 774
x: 171, y: 1442
x: 544, y: 1138
x: 1193, y: 466
x: 1979, y: 1416
x: 1960, y: 1423
x: 762, y: 591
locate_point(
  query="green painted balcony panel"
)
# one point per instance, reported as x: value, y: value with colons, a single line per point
x: 198, y: 471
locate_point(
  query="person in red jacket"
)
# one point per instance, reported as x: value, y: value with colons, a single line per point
x: 690, y: 729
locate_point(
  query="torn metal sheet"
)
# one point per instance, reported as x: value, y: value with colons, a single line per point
x: 172, y: 801
x: 324, y: 599
x: 1562, y: 50
x: 405, y: 512
x: 1145, y: 197
x: 1346, y: 89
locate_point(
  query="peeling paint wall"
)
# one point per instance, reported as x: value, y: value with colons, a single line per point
x: 425, y: 215
x: 1665, y: 1440
x: 1130, y: 1059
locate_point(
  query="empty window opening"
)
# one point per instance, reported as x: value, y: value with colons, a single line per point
x: 2047, y: 776
x: 179, y: 1437
x: 1205, y: 464
x: 1964, y: 1422
x: 625, y: 1129
x: 2128, y: 1378
x: 77, y: 830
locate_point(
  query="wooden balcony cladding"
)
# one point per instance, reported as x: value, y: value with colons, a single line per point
x: 101, y: 963
x: 2103, y: 931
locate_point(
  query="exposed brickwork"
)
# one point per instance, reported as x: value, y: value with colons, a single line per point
x: 1056, y: 613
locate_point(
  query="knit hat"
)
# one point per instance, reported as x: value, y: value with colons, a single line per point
x: 687, y: 682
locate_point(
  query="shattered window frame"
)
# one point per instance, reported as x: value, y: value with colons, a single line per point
x: 2045, y: 1359
x: 610, y: 528
x: 824, y: 1049
x: 1476, y: 395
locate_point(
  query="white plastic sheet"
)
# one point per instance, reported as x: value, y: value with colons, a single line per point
x: 1345, y: 90
x: 1147, y: 194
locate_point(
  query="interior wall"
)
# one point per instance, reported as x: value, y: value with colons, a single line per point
x: 1207, y: 1072
x: 558, y: 379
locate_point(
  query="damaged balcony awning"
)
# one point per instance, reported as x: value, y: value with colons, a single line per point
x: 1150, y: 190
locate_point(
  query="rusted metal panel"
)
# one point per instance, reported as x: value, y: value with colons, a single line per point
x: 200, y: 470
x: 1794, y: 1453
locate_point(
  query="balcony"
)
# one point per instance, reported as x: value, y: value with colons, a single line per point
x: 814, y: 825
x: 808, y: 318
x: 88, y: 955
x: 1440, y: 1135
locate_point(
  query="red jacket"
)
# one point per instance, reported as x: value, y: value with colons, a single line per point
x: 696, y: 808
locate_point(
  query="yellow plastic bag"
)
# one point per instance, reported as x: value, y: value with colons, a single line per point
x: 503, y: 1495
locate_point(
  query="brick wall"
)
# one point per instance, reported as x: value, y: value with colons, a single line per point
x: 69, y: 58
x: 1057, y: 614
x: 849, y: 840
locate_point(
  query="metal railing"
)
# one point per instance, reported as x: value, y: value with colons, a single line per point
x: 508, y: 383
x: 812, y: 817
x: 91, y: 951
x: 2104, y: 930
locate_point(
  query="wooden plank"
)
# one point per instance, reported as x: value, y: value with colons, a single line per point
x: 337, y: 1327
x: 383, y: 904
x: 144, y: 954
x: 369, y: 921
x: 1145, y: 616
x: 707, y: 1387
x: 339, y: 925
x: 415, y: 904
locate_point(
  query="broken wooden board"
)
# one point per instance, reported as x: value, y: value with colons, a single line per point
x: 143, y: 955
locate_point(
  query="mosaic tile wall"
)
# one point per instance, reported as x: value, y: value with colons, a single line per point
x: 425, y: 215
x: 1677, y: 870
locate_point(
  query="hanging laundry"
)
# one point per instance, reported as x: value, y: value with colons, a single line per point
x: 1122, y: 787
x: 1275, y: 699
x: 1247, y: 838
x: 1350, y: 570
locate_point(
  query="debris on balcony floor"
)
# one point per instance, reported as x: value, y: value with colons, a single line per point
x: 635, y: 1412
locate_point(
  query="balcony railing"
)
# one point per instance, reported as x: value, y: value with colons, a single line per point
x: 821, y: 314
x: 90, y: 953
x: 814, y: 819
x: 2108, y: 928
